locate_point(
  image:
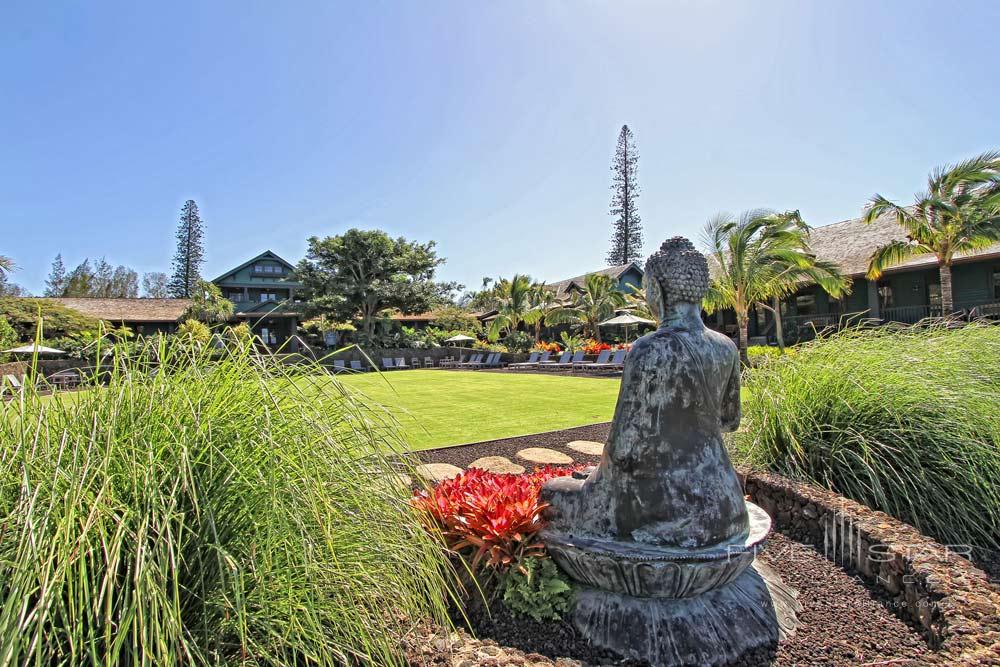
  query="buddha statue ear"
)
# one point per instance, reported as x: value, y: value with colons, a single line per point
x: 654, y: 297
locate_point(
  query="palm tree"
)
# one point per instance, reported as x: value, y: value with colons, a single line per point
x: 760, y: 256
x: 598, y: 301
x: 6, y: 265
x: 550, y: 308
x: 513, y: 298
x: 960, y: 212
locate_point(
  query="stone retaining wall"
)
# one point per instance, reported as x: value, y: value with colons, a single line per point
x: 46, y: 366
x: 929, y: 585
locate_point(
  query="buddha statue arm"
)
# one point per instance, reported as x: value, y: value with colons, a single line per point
x: 731, y: 411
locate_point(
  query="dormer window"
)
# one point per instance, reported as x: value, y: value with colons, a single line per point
x: 269, y: 269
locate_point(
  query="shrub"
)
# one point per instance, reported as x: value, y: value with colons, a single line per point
x: 490, y: 519
x: 537, y: 589
x: 901, y: 419
x: 8, y: 338
x: 552, y: 347
x: 60, y: 321
x: 453, y: 318
x: 571, y: 343
x: 193, y: 332
x: 763, y: 353
x: 518, y: 341
x: 488, y: 346
x: 591, y: 346
x: 227, y: 512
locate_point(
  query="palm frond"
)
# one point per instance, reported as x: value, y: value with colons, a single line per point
x: 892, y: 254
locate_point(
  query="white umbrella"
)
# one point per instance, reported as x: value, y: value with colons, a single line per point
x: 459, y: 338
x: 32, y: 349
x: 626, y: 319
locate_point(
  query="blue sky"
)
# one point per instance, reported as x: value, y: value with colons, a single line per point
x: 488, y: 127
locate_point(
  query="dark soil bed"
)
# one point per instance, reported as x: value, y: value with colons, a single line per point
x: 843, y: 621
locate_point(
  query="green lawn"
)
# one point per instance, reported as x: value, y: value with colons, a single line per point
x: 441, y: 408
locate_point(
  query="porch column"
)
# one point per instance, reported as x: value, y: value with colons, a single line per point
x: 873, y: 305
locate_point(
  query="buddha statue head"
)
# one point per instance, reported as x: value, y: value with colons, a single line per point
x: 676, y: 274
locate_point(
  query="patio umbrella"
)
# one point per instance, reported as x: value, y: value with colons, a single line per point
x: 626, y: 319
x: 459, y: 338
x: 32, y: 349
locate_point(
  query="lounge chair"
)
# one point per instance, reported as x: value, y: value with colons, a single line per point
x: 356, y: 365
x: 563, y: 365
x: 428, y: 362
x: 401, y: 363
x: 387, y: 364
x: 563, y: 358
x: 338, y: 366
x: 474, y: 362
x: 497, y: 361
x: 617, y: 362
x: 602, y: 358
x: 414, y: 362
x: 530, y: 363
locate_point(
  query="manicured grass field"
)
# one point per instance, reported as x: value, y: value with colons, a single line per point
x: 440, y: 408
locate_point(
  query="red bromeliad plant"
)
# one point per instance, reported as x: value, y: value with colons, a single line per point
x: 593, y: 347
x: 492, y: 519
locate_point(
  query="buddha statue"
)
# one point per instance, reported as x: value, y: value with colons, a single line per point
x: 659, y: 537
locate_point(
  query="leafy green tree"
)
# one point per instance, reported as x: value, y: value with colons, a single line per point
x: 514, y: 305
x: 361, y: 273
x: 208, y: 304
x: 55, y: 284
x: 959, y: 212
x: 626, y: 241
x: 551, y: 309
x: 190, y: 254
x: 81, y: 281
x: 155, y: 285
x: 759, y: 256
x: 598, y: 301
x: 453, y: 318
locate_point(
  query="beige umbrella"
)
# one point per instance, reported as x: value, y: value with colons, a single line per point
x: 34, y: 349
x: 626, y: 320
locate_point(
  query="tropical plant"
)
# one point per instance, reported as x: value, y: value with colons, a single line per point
x: 490, y: 519
x: 514, y: 299
x: 518, y: 341
x: 537, y: 589
x: 903, y: 420
x: 227, y: 509
x: 8, y: 338
x: 6, y: 265
x: 551, y: 310
x: 959, y: 212
x: 194, y: 332
x: 596, y: 302
x: 762, y: 256
x: 636, y: 303
x: 208, y: 304
x: 570, y: 342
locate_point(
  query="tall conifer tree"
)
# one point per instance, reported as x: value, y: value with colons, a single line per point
x: 626, y: 239
x: 55, y: 284
x: 190, y: 254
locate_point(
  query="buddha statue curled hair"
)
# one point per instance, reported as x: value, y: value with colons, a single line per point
x: 679, y: 271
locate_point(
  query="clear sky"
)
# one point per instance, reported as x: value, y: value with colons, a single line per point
x: 486, y: 126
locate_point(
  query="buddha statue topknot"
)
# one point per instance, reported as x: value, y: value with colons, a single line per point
x: 659, y: 535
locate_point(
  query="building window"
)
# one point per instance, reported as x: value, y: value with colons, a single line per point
x: 268, y: 296
x: 805, y: 304
x: 934, y: 294
x: 235, y: 297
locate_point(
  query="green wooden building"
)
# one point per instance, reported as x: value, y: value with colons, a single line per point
x: 264, y: 290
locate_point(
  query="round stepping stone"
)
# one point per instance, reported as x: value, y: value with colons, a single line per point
x: 437, y: 472
x: 497, y: 464
x: 544, y: 455
x: 588, y: 447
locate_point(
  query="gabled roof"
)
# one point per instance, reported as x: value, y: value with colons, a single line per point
x: 125, y: 310
x: 850, y: 245
x: 562, y: 286
x: 267, y: 254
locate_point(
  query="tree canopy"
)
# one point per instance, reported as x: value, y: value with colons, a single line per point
x: 360, y: 273
x: 190, y: 254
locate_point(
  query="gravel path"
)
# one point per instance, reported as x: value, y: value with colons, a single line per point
x: 843, y: 621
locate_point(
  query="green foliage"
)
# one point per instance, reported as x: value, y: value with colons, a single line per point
x: 903, y: 420
x: 759, y: 354
x: 598, y: 301
x: 225, y: 510
x: 514, y: 305
x: 190, y: 254
x: 193, y: 332
x: 571, y: 343
x: 518, y: 341
x: 537, y: 589
x: 59, y: 321
x: 453, y: 318
x: 364, y: 272
x: 8, y: 338
x: 208, y: 304
x: 489, y: 347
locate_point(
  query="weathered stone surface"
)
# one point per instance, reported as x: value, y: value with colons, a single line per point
x: 544, y: 455
x: 659, y: 534
x: 588, y: 447
x: 498, y: 464
x: 436, y: 472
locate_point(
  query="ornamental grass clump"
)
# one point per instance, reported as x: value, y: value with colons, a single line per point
x: 904, y: 420
x: 207, y: 507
